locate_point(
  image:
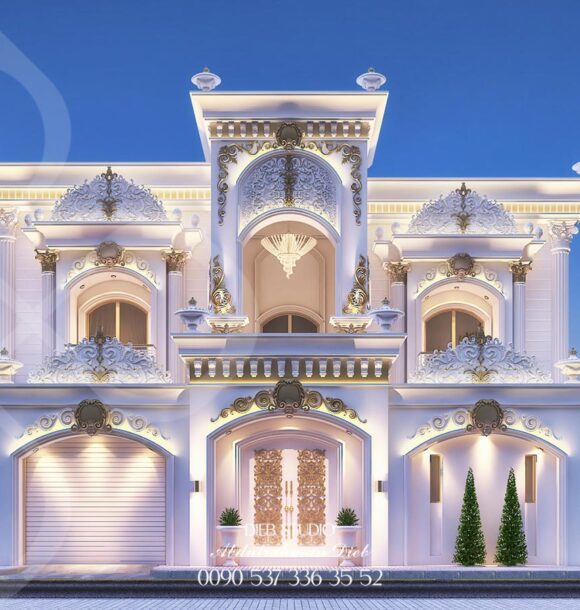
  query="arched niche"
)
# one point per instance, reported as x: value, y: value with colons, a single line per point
x: 262, y: 187
x: 431, y: 517
x: 98, y: 286
x: 310, y: 291
x: 231, y: 450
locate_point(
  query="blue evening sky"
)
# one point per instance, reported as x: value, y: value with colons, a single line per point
x: 477, y: 88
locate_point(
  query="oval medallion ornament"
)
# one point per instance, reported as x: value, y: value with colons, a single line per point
x: 91, y: 416
x: 289, y: 395
x: 288, y: 136
x: 487, y: 416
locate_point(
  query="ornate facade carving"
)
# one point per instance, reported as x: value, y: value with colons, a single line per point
x: 128, y: 260
x: 47, y: 259
x: 268, y: 497
x: 175, y: 259
x: 358, y: 298
x: 109, y: 197
x: 486, y: 416
x: 398, y: 272
x: 463, y: 211
x: 520, y: 270
x: 290, y: 397
x: 311, y: 497
x: 100, y: 359
x: 288, y: 181
x: 116, y: 419
x: 462, y: 418
x: 220, y: 299
x: 461, y: 266
x: 479, y: 359
x: 108, y: 254
x: 441, y: 272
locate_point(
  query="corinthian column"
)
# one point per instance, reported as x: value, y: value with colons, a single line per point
x: 175, y: 260
x: 398, y: 300
x: 8, y: 220
x: 519, y: 271
x: 561, y: 234
x: 47, y: 259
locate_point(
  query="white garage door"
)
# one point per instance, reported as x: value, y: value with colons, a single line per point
x: 97, y: 499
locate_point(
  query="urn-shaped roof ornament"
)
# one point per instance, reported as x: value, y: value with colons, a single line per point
x: 206, y: 80
x: 371, y: 80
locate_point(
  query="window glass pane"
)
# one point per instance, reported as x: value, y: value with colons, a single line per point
x: 303, y: 325
x: 276, y: 325
x: 133, y: 325
x: 466, y: 325
x: 103, y: 317
x: 438, y: 332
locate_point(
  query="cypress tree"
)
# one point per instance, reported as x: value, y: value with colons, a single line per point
x: 511, y: 547
x: 470, y: 543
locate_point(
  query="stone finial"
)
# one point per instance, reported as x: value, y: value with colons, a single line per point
x: 206, y: 80
x: 371, y: 80
x: 3, y: 352
x: 192, y: 302
x: 47, y: 259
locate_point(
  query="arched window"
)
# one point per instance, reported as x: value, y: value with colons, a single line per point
x: 290, y: 323
x: 119, y: 319
x: 449, y: 326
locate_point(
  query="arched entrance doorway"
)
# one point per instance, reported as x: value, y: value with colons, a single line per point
x: 93, y: 500
x: 436, y: 476
x: 289, y: 477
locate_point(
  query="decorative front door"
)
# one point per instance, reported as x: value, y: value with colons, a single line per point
x: 292, y: 492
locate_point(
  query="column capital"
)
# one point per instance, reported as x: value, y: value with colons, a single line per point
x: 561, y: 234
x: 175, y: 259
x: 398, y: 271
x: 47, y: 259
x: 519, y: 271
x: 8, y: 220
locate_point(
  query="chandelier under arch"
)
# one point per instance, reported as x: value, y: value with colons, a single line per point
x: 288, y: 248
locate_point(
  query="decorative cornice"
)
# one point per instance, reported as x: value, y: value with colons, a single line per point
x: 561, y: 234
x: 220, y: 297
x: 128, y: 260
x: 175, y: 259
x: 462, y: 419
x: 241, y: 129
x: 115, y: 418
x: 47, y: 259
x: 289, y: 397
x: 358, y: 298
x: 479, y: 359
x: 398, y: 272
x: 520, y: 270
x: 100, y: 359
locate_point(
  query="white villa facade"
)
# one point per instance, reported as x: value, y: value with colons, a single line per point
x: 160, y: 364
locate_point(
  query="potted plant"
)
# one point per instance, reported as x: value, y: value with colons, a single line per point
x: 347, y: 527
x: 230, y: 526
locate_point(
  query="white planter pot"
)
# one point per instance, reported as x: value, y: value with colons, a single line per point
x: 229, y: 537
x: 347, y: 536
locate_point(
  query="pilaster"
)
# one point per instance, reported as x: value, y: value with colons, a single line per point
x: 8, y: 220
x: 398, y: 293
x: 47, y: 259
x: 519, y: 271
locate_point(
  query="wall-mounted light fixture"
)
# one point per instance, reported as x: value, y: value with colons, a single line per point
x: 381, y: 486
x: 196, y: 486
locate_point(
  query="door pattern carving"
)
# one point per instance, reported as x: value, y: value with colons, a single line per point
x: 311, y: 496
x: 268, y: 497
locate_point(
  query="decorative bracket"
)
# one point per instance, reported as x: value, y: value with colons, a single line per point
x: 358, y: 298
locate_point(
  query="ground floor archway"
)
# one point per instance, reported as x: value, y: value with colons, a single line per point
x: 93, y: 500
x: 289, y: 477
x: 435, y: 479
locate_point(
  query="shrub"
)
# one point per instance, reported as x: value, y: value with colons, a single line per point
x: 230, y: 517
x: 346, y: 517
x: 511, y: 547
x: 470, y: 543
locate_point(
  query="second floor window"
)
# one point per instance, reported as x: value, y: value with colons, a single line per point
x: 119, y: 319
x: 449, y: 326
x: 290, y: 323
